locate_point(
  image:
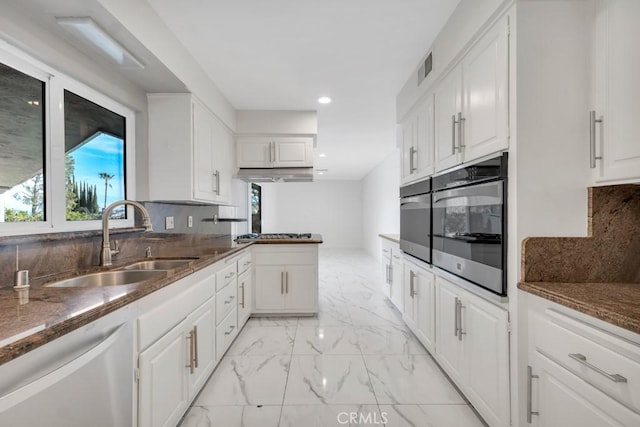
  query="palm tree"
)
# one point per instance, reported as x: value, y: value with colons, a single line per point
x: 107, y: 177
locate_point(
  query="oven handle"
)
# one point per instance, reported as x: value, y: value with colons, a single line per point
x: 488, y: 190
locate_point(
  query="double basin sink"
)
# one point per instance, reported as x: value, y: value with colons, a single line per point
x: 129, y: 275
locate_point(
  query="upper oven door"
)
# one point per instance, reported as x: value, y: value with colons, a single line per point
x: 415, y: 226
x: 468, y: 233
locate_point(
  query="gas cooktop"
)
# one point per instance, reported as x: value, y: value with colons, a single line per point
x: 273, y: 236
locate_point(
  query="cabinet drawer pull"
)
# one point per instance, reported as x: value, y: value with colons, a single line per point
x: 592, y: 139
x: 412, y: 276
x: 460, y: 132
x: 230, y: 275
x: 530, y: 378
x: 231, y: 328
x: 460, y: 331
x: 242, y: 294
x: 582, y: 359
x: 195, y: 346
x: 191, y: 338
x: 456, y: 326
x: 282, y: 282
x: 286, y: 282
x: 453, y: 134
x: 230, y: 299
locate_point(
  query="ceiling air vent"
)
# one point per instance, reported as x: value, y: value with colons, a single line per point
x: 425, y: 68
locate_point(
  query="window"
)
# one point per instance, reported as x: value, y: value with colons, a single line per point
x: 65, y: 150
x: 22, y: 146
x: 256, y: 208
x: 94, y: 159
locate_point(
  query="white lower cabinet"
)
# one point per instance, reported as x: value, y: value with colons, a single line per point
x: 173, y: 369
x: 286, y: 279
x: 564, y: 399
x: 395, y: 285
x: 419, y: 303
x: 245, y: 297
x: 472, y: 346
x: 579, y: 374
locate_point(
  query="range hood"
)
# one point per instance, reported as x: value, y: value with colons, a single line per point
x: 275, y: 174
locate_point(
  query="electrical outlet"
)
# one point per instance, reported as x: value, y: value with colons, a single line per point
x: 189, y: 221
x: 168, y: 223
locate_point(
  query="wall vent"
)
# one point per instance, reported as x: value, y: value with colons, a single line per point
x: 425, y: 68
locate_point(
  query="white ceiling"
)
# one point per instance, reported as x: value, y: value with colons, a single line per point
x: 284, y: 54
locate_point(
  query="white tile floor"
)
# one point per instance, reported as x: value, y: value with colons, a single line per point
x: 355, y: 360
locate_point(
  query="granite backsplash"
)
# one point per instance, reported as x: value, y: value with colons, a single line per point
x: 53, y: 253
x: 610, y: 252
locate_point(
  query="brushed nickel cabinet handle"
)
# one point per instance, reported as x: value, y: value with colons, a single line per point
x: 282, y: 282
x: 286, y: 282
x: 412, y: 154
x: 592, y: 138
x: 582, y: 359
x: 412, y: 276
x: 460, y: 132
x: 460, y: 331
x: 191, y: 367
x: 242, y: 294
x: 530, y: 378
x: 195, y: 346
x: 453, y: 134
x: 231, y: 328
x: 455, y: 319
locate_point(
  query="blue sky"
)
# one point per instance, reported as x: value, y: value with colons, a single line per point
x: 103, y: 153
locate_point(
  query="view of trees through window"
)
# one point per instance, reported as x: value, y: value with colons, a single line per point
x: 94, y: 159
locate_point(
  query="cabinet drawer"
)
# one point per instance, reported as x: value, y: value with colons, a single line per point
x: 606, y: 361
x: 226, y: 300
x: 286, y: 258
x: 226, y: 332
x: 244, y: 263
x: 225, y: 276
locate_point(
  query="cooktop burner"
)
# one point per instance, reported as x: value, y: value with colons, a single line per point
x: 272, y: 236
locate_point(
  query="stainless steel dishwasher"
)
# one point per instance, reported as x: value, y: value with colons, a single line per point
x: 84, y: 378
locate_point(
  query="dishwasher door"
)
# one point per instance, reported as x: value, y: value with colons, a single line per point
x: 84, y: 378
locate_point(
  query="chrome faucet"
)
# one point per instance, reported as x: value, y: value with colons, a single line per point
x: 107, y: 252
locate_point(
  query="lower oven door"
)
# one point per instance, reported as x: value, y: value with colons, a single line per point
x: 415, y: 226
x: 468, y: 234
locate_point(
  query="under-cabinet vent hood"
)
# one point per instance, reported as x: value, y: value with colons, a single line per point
x: 275, y: 174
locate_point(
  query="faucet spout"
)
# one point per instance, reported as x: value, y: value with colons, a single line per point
x: 107, y: 252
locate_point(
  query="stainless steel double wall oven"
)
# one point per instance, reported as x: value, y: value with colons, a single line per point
x: 470, y: 223
x: 458, y: 222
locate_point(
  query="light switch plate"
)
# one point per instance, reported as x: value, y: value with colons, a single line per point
x: 168, y: 223
x: 189, y: 221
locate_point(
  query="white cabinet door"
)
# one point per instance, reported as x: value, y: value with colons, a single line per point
x: 424, y: 139
x: 617, y: 61
x: 447, y: 99
x: 449, y: 348
x: 269, y: 288
x: 301, y: 290
x: 254, y: 152
x: 293, y: 152
x: 396, y: 281
x: 484, y: 327
x: 245, y: 297
x: 485, y: 94
x: 163, y: 383
x: 408, y: 135
x: 562, y: 399
x: 205, y: 174
x: 425, y: 306
x: 201, y: 343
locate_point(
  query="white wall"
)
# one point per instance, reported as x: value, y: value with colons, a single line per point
x: 380, y: 203
x: 331, y: 208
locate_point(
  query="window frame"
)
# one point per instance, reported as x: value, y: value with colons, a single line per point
x: 54, y: 146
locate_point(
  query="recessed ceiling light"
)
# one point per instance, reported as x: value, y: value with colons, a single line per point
x: 324, y: 100
x: 320, y: 173
x: 322, y: 155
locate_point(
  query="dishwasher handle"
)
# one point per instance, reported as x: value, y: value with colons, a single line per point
x: 25, y: 392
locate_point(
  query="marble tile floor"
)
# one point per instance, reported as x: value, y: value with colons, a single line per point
x: 353, y: 364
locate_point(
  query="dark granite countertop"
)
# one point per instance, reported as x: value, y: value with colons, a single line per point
x: 53, y: 312
x: 615, y: 303
x: 314, y: 239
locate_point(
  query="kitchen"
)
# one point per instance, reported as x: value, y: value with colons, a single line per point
x: 562, y: 61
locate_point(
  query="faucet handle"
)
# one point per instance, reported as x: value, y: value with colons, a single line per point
x: 116, y: 248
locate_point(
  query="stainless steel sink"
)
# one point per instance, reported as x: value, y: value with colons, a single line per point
x: 159, y: 264
x: 108, y: 278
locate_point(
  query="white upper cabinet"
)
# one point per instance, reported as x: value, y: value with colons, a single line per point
x: 615, y: 145
x: 274, y: 152
x: 471, y: 102
x: 190, y: 151
x: 448, y: 110
x: 418, y: 141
